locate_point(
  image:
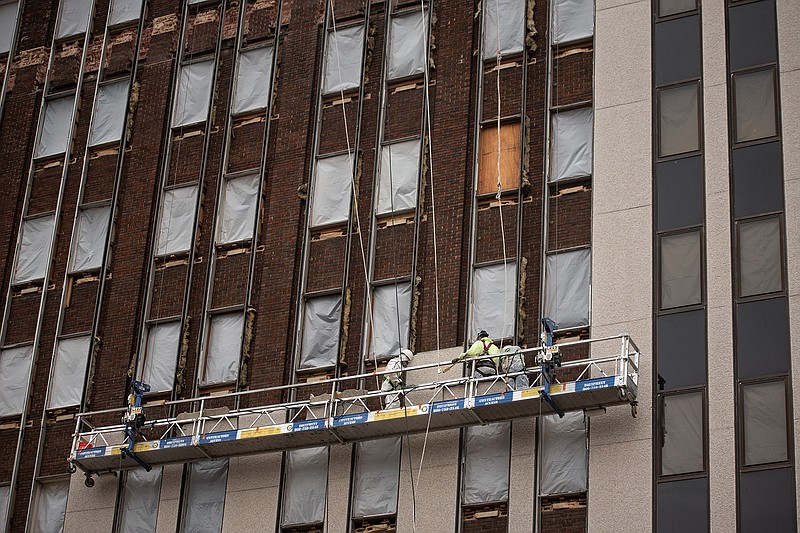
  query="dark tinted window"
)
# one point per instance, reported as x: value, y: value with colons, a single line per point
x: 673, y: 7
x: 679, y: 193
x: 677, y: 50
x: 683, y: 506
x: 757, y: 179
x: 762, y: 333
x: 681, y: 350
x: 752, y: 34
x: 766, y: 502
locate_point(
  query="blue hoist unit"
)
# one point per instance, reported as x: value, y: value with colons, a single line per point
x: 134, y: 420
x: 549, y: 358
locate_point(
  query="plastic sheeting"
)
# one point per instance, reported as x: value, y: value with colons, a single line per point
x: 567, y: 288
x: 343, y: 59
x: 330, y: 201
x: 8, y: 24
x: 391, y: 315
x: 377, y: 477
x: 680, y: 270
x: 760, y: 257
x: 4, y: 494
x: 66, y: 387
x: 679, y: 129
x: 205, y: 501
x: 487, y: 462
x: 682, y: 439
x: 177, y: 220
x: 73, y: 18
x: 87, y: 252
x: 572, y: 144
x: 224, y: 347
x: 572, y: 20
x: 161, y: 355
x: 305, y: 486
x: 494, y: 300
x: 238, y: 209
x: 193, y: 96
x: 407, y: 47
x: 755, y: 105
x: 399, y: 175
x: 54, y: 137
x: 15, y: 365
x: 109, y: 113
x: 253, y: 79
x: 124, y: 11
x: 765, y: 437
x: 509, y: 17
x: 321, y: 320
x: 564, y: 455
x: 140, y: 500
x: 51, y: 506
x: 34, y: 250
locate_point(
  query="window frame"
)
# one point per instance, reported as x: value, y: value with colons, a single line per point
x: 397, y: 213
x: 75, y: 272
x: 125, y: 109
x: 199, y: 187
x: 700, y: 123
x: 86, y: 366
x: 737, y: 258
x: 145, y: 343
x: 662, y: 18
x: 733, y: 116
x: 406, y: 11
x: 38, y: 281
x: 376, y: 285
x: 555, y: 111
x: 352, y: 159
x: 29, y: 345
x: 740, y: 434
x: 40, y: 127
x: 47, y: 480
x: 659, y: 431
x: 12, y: 39
x: 562, y: 332
x: 176, y: 94
x: 336, y: 94
x: 259, y: 192
x: 210, y: 315
x: 487, y: 125
x: 338, y: 292
x: 270, y: 89
x: 659, y: 277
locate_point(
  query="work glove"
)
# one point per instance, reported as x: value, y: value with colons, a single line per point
x: 455, y: 360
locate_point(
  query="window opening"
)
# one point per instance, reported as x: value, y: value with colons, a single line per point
x: 494, y: 300
x: 34, y: 249
x: 66, y: 387
x: 109, y: 115
x: 756, y: 112
x: 321, y: 323
x: 253, y: 80
x: 332, y: 193
x: 509, y: 158
x: 567, y: 288
x: 205, y: 498
x: 408, y: 44
x: 54, y: 135
x: 224, y: 348
x: 573, y: 20
x: 764, y: 426
x: 90, y: 239
x: 564, y: 454
x: 140, y: 498
x: 503, y: 27
x: 398, y: 178
x: 15, y: 367
x: 760, y: 256
x: 343, y: 55
x: 305, y: 487
x: 391, y: 319
x: 678, y: 120
x: 124, y: 11
x: 238, y: 209
x: 571, y: 144
x: 177, y: 220
x: 487, y: 461
x: 73, y: 18
x: 674, y: 7
x: 51, y: 506
x: 160, y: 356
x: 681, y: 431
x: 681, y: 269
x: 8, y: 24
x: 377, y: 478
x: 193, y: 96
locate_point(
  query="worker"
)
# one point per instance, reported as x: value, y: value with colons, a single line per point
x: 395, y: 380
x: 512, y: 363
x: 483, y: 345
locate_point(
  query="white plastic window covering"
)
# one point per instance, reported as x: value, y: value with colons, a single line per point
x: 205, y: 501
x: 224, y: 347
x: 564, y: 454
x: 54, y: 137
x: 5, y: 491
x: 343, y: 59
x: 74, y: 17
x: 391, y: 315
x: 760, y: 257
x: 755, y: 105
x: 15, y: 364
x: 377, y: 477
x: 253, y: 79
x: 177, y: 220
x: 238, y: 209
x: 194, y: 93
x: 69, y: 373
x: 8, y: 24
x: 51, y: 505
x: 407, y: 48
x: 140, y: 500
x: 509, y: 17
x: 87, y: 252
x: 399, y: 175
x: 161, y: 355
x: 330, y: 202
x: 124, y: 11
x: 680, y: 270
x: 572, y: 20
x: 109, y: 113
x: 682, y: 439
x: 321, y: 320
x: 487, y: 452
x: 572, y: 144
x: 494, y: 300
x: 765, y: 436
x: 34, y: 249
x: 678, y: 119
x: 305, y: 487
x: 567, y: 277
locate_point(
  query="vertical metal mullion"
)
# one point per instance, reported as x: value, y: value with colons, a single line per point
x: 9, y: 60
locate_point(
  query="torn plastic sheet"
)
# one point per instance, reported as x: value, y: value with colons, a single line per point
x: 161, y: 356
x: 765, y: 439
x: 124, y: 11
x: 572, y: 143
x: 4, y: 494
x: 73, y: 17
x: 66, y: 386
x: 487, y: 461
x: 377, y: 477
x: 391, y: 313
x: 494, y: 300
x: 224, y: 348
x: 51, y: 506
x: 507, y: 16
x: 564, y: 454
x: 177, y: 220
x: 330, y: 200
x: 142, y: 491
x: 54, y: 137
x: 193, y: 96
x: 15, y: 366
x: 205, y: 501
x: 8, y: 23
x: 321, y: 321
x: 407, y: 48
x: 87, y: 252
x: 253, y: 78
x: 680, y: 270
x: 760, y: 257
x: 34, y: 250
x: 109, y: 114
x: 567, y: 288
x: 238, y: 209
x: 343, y: 59
x: 682, y: 448
x: 305, y: 486
x: 399, y: 175
x: 572, y: 20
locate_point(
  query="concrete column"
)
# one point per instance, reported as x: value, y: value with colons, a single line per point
x: 91, y: 509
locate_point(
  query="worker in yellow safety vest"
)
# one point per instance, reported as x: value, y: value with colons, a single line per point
x: 482, y: 346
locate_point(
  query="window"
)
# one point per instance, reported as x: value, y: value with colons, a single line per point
x: 140, y: 495
x: 567, y: 286
x: 408, y: 44
x: 51, y: 505
x: 377, y: 477
x: 494, y: 300
x: 565, y: 457
x: 90, y: 239
x: 678, y: 120
x: 683, y: 505
x: 399, y: 175
x: 508, y: 149
x: 760, y: 257
x: 487, y: 460
x: 177, y: 220
x: 681, y: 270
x: 109, y: 114
x: 754, y: 96
x: 321, y: 320
x: 160, y: 356
x: 572, y: 144
x: 508, y: 18
x: 681, y: 349
x: 54, y: 136
x: 73, y: 17
x: 253, y: 80
x: 66, y: 387
x: 572, y: 20
x: 34, y: 249
x: 330, y: 197
x: 193, y: 96
x: 5, y: 492
x: 305, y: 487
x: 8, y: 25
x: 343, y: 53
x: 682, y: 440
x: 238, y: 209
x: 15, y: 366
x: 124, y: 11
x: 673, y: 7
x: 391, y: 318
x: 224, y: 347
x: 764, y: 423
x: 205, y: 498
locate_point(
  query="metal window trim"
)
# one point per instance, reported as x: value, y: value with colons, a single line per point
x: 741, y: 384
x: 736, y: 251
x: 658, y: 425
x: 700, y: 122
x: 701, y: 231
x: 732, y: 74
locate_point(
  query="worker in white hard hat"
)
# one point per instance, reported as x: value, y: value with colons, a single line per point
x: 483, y: 345
x: 395, y: 380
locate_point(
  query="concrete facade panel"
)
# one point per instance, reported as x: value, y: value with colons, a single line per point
x: 715, y: 112
x: 521, y: 506
x: 788, y: 37
x: 91, y: 509
x: 722, y: 478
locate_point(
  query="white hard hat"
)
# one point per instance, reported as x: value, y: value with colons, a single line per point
x: 406, y: 355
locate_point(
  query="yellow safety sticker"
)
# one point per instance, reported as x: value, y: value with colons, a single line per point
x: 395, y: 413
x: 259, y: 432
x: 531, y: 393
x: 116, y: 450
x: 145, y: 446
